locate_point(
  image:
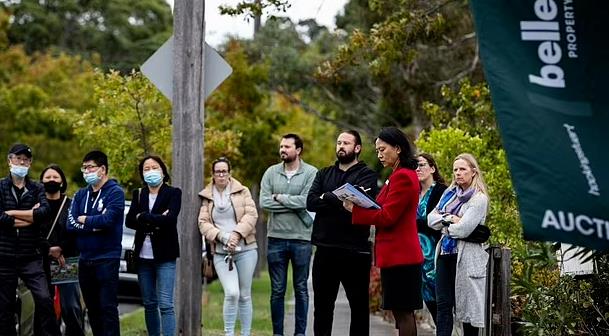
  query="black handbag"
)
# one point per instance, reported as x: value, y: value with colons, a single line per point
x: 131, y: 261
x: 208, y: 270
x: 480, y: 235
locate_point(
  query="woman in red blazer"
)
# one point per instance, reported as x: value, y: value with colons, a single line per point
x: 397, y: 249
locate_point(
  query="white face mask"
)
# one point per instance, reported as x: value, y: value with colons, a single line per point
x: 91, y: 178
x: 19, y: 171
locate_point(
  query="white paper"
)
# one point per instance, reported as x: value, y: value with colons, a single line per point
x: 355, y: 195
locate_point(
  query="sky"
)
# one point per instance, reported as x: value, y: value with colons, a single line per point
x: 218, y: 26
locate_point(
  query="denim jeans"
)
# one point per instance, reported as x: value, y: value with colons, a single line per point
x: 156, y: 284
x: 71, y: 309
x: 280, y: 253
x: 99, y: 285
x: 237, y: 286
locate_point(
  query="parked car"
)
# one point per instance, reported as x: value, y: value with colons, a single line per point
x: 128, y: 285
x: 24, y: 312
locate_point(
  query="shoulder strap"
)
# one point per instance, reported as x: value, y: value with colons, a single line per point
x: 57, y: 217
x: 139, y: 192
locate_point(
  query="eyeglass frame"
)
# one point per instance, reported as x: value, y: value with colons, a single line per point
x: 221, y: 173
x: 87, y: 169
x: 13, y: 157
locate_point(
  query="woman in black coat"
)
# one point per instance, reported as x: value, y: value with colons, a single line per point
x: 432, y: 187
x: 153, y: 215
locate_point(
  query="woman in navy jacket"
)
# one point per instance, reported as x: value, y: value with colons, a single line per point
x: 153, y: 215
x: 397, y: 249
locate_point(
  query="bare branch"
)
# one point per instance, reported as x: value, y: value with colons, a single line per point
x: 309, y: 109
x: 463, y: 73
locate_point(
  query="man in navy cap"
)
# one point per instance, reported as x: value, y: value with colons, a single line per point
x: 22, y: 205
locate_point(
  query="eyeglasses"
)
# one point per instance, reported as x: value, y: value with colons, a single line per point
x: 221, y: 172
x: 88, y: 168
x: 422, y: 164
x: 24, y: 160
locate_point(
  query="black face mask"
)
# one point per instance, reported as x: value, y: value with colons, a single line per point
x: 52, y: 187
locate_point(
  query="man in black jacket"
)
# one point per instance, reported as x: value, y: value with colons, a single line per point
x: 343, y: 250
x: 22, y: 205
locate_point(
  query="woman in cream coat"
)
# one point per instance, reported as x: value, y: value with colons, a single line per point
x: 227, y: 219
x: 461, y: 266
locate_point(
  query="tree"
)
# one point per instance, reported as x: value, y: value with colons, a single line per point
x: 465, y: 122
x: 390, y: 57
x: 245, y: 105
x: 132, y: 119
x: 38, y: 96
x: 124, y: 33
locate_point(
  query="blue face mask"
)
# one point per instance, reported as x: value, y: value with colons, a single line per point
x: 91, y: 178
x: 153, y: 178
x: 19, y: 171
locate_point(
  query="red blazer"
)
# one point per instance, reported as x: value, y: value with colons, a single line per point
x: 397, y: 239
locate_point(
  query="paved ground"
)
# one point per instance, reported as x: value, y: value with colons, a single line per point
x: 342, y: 317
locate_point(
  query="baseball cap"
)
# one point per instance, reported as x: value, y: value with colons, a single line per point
x: 17, y: 149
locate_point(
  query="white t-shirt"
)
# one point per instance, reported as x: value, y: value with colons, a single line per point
x: 146, y: 251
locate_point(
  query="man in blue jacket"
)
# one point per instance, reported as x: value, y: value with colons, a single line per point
x: 96, y: 216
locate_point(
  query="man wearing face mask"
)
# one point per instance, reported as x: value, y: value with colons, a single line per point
x: 22, y: 206
x: 96, y: 217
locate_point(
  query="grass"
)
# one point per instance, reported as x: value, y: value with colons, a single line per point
x: 213, y: 299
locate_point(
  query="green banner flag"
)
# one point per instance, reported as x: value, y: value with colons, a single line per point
x: 547, y: 64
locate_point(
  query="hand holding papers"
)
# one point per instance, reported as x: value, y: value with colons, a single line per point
x: 357, y: 196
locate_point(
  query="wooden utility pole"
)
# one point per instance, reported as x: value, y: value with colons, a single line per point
x: 188, y: 126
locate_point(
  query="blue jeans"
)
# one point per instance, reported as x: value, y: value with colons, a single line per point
x: 280, y: 253
x: 237, y: 286
x: 99, y: 285
x: 71, y: 309
x: 156, y: 284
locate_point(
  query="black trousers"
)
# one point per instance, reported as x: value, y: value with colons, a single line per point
x: 446, y: 270
x: 31, y: 272
x: 332, y: 267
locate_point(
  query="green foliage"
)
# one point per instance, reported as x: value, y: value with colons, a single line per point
x: 245, y: 105
x: 557, y: 310
x: 251, y: 9
x: 4, y: 24
x: 124, y: 33
x: 131, y: 120
x: 466, y: 123
x: 39, y: 94
x: 397, y: 54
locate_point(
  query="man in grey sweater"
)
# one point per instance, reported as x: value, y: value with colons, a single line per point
x: 283, y: 194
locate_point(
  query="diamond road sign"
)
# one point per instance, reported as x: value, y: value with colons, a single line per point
x: 159, y: 69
